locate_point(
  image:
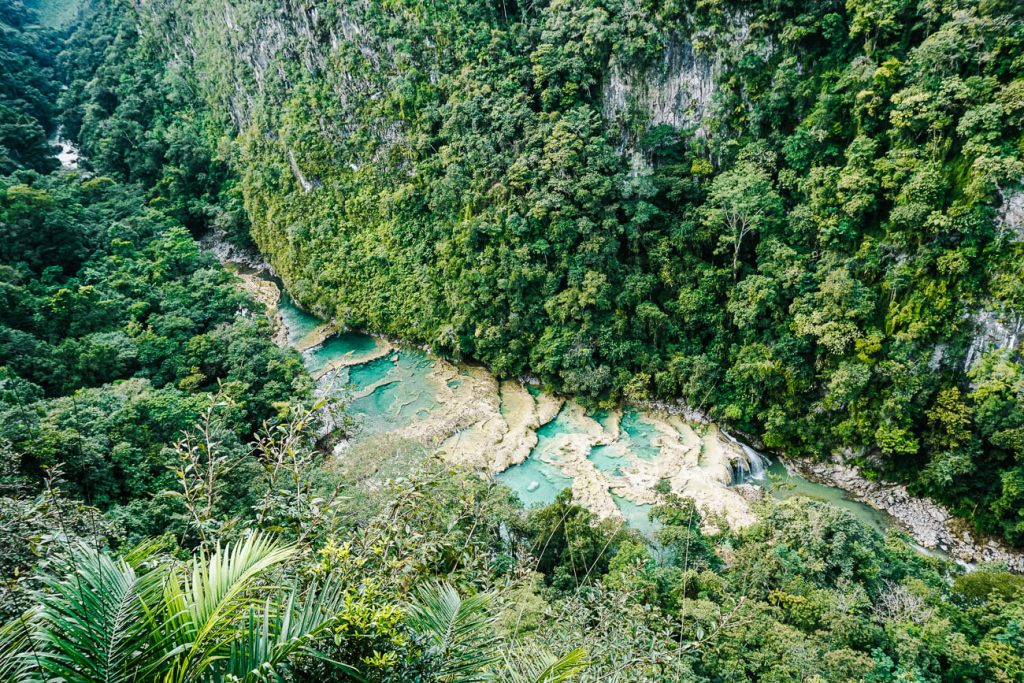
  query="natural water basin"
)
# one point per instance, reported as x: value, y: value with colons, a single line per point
x: 784, y: 484
x: 640, y: 434
x: 298, y: 323
x: 347, y: 346
x: 608, y: 459
x: 535, y: 481
x: 386, y: 394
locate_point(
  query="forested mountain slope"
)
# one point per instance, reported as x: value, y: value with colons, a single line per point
x: 116, y: 332
x: 803, y: 216
x: 27, y: 93
x: 169, y: 508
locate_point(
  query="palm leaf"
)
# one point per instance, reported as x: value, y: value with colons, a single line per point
x: 105, y: 620
x: 203, y: 605
x: 15, y: 651
x: 275, y: 634
x: 93, y: 623
x: 459, y: 631
x: 545, y: 668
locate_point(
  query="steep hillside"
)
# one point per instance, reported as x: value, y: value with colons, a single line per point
x: 800, y: 216
x: 55, y: 13
x: 176, y: 504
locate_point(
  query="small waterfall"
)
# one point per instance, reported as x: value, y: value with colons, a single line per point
x: 756, y: 462
x: 753, y: 467
x: 69, y: 153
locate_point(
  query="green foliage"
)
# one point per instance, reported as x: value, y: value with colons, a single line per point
x: 139, y: 122
x: 415, y: 593
x: 458, y: 632
x: 55, y: 13
x: 115, y: 332
x: 209, y: 619
x: 804, y: 254
x: 572, y: 549
x: 28, y: 90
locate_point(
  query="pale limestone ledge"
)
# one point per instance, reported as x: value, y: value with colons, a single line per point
x: 697, y: 466
x: 489, y: 426
x: 381, y: 349
x: 316, y: 338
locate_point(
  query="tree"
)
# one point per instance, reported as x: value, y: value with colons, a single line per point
x: 460, y: 634
x: 741, y: 202
x: 212, y: 618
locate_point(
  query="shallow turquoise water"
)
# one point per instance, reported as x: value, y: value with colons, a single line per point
x: 536, y: 481
x: 547, y: 433
x: 340, y: 346
x: 603, y: 418
x: 608, y: 459
x: 640, y: 435
x: 784, y: 485
x: 403, y: 394
x: 298, y: 323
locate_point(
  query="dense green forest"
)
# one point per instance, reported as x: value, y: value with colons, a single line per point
x: 451, y: 172
x: 801, y: 216
x: 116, y: 331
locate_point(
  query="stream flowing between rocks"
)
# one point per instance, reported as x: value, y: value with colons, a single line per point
x: 402, y: 401
x: 536, y: 443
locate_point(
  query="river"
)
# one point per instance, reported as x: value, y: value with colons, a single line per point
x: 69, y: 154
x: 535, y: 443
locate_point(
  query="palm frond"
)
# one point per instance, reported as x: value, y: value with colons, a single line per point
x: 215, y: 618
x: 144, y: 552
x: 93, y: 623
x: 459, y: 631
x: 544, y: 667
x: 204, y: 603
x: 275, y: 634
x: 15, y: 650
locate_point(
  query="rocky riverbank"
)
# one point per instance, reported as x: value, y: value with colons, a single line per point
x: 931, y: 524
x: 255, y: 274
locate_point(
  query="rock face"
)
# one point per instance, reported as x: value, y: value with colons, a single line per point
x: 929, y: 523
x: 1011, y: 214
x: 675, y: 89
x: 1000, y: 327
x: 995, y: 331
x: 217, y: 244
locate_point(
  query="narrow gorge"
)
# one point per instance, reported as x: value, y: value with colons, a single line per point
x: 538, y: 444
x: 730, y: 208
x: 561, y: 341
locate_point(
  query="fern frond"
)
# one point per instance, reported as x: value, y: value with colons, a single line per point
x: 93, y: 623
